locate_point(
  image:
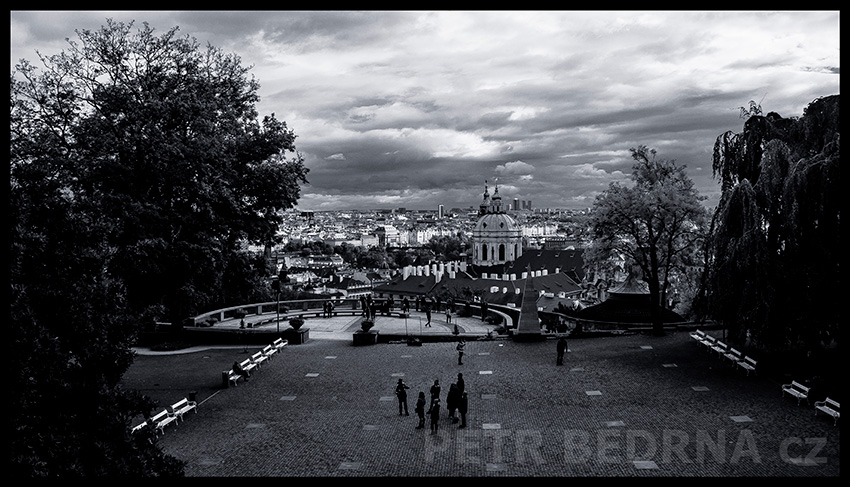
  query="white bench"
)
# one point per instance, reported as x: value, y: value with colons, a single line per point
x: 280, y: 343
x: 258, y: 358
x: 748, y: 364
x: 230, y: 377
x: 699, y: 336
x: 797, y: 390
x: 269, y: 351
x: 163, y: 419
x: 829, y: 407
x: 184, y: 406
x: 248, y: 365
x: 734, y: 356
x: 720, y: 347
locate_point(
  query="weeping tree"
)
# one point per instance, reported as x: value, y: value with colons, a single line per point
x: 773, y: 255
x: 656, y: 224
x: 139, y: 166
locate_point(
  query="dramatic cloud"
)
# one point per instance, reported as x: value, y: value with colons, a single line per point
x: 416, y: 108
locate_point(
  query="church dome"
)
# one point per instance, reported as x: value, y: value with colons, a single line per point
x: 495, y: 223
x: 496, y: 237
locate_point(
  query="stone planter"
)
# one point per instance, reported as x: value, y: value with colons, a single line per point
x: 365, y: 337
x: 296, y: 337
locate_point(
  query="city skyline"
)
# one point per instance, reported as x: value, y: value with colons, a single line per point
x: 417, y: 109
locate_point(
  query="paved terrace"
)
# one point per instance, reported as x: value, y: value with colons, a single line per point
x: 625, y: 406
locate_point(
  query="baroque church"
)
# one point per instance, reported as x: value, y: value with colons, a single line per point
x: 496, y: 237
x: 496, y: 269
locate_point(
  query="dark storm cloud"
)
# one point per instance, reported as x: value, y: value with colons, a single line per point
x: 418, y: 108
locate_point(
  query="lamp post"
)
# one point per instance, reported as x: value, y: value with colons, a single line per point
x: 276, y: 287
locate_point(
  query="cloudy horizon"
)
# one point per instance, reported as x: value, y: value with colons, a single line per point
x: 418, y: 108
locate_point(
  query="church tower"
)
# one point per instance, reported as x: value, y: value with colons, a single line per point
x: 496, y: 237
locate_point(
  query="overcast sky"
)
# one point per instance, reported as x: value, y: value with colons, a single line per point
x: 418, y: 108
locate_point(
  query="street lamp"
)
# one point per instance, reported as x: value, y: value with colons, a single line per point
x: 276, y: 287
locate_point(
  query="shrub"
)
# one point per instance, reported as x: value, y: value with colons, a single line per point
x: 296, y: 322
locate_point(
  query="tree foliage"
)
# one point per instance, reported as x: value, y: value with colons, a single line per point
x: 138, y: 167
x: 774, y: 251
x: 656, y: 223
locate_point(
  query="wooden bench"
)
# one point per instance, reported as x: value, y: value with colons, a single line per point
x: 230, y: 377
x: 163, y: 419
x: 797, y: 390
x: 720, y: 347
x: 269, y: 351
x: 829, y: 407
x: 184, y: 406
x: 748, y: 364
x: 248, y: 365
x: 258, y: 359
x: 280, y: 343
x: 699, y: 336
x: 733, y: 356
x: 709, y: 341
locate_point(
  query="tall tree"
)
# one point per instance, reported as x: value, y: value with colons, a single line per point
x: 775, y: 247
x: 138, y: 167
x: 654, y: 222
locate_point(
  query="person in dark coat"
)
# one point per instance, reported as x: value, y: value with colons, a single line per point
x: 401, y: 392
x: 562, y: 349
x: 434, y: 413
x: 461, y: 385
x: 451, y: 402
x: 462, y: 408
x: 420, y: 410
x: 237, y: 368
x: 483, y: 310
x: 435, y: 391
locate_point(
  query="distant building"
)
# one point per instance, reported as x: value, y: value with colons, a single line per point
x: 496, y: 237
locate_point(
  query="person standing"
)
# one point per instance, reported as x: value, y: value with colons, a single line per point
x: 483, y: 310
x: 434, y: 413
x: 562, y: 349
x: 401, y: 392
x: 420, y: 410
x: 435, y: 391
x: 449, y: 318
x: 460, y: 345
x: 451, y: 402
x: 462, y: 408
x: 461, y: 385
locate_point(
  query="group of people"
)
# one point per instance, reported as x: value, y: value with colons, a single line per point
x: 457, y: 403
x: 328, y: 309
